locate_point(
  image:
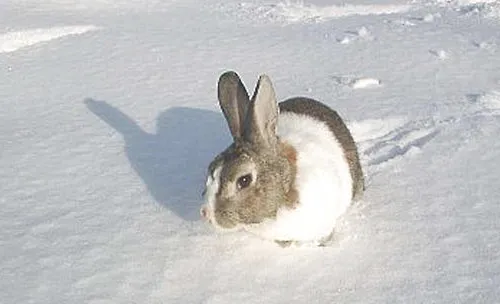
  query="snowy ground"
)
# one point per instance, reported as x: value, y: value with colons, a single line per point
x: 109, y: 118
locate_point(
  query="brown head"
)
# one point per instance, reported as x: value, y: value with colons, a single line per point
x: 249, y: 181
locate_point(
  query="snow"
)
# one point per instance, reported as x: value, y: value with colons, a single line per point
x: 12, y: 41
x: 292, y: 12
x: 109, y: 118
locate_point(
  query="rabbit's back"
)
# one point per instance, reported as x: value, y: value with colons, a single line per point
x: 321, y: 112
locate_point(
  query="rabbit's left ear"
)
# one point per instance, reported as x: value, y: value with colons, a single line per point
x: 233, y: 100
x: 262, y: 115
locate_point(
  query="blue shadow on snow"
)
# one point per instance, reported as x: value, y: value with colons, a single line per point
x: 172, y: 163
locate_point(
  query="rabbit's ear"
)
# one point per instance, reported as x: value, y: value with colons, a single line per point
x: 233, y: 100
x: 262, y: 116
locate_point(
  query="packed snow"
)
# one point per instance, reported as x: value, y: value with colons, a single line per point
x: 109, y: 119
x: 12, y: 41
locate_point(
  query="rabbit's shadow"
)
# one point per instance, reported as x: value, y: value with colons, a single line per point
x: 172, y: 163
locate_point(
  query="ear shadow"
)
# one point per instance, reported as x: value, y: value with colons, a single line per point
x: 172, y: 163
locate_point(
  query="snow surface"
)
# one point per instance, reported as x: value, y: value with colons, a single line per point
x: 12, y: 41
x: 107, y: 130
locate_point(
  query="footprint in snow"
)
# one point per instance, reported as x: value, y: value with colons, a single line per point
x: 412, y: 21
x: 403, y: 22
x: 428, y: 18
x: 365, y: 83
x: 489, y: 101
x: 382, y: 141
x: 357, y: 83
x: 361, y: 34
x: 396, y: 144
x: 485, y: 45
x: 441, y: 54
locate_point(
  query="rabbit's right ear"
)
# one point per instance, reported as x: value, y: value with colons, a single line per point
x: 233, y: 100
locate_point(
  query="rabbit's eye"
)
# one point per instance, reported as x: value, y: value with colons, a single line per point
x: 244, y: 181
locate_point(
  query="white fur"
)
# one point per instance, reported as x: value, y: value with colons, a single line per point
x: 212, y: 187
x: 213, y: 184
x: 323, y: 182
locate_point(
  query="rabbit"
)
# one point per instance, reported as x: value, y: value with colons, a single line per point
x: 291, y: 171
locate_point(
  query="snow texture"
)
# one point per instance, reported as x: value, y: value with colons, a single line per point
x: 12, y: 41
x: 109, y: 118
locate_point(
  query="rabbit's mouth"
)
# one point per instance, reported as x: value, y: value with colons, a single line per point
x: 222, y: 220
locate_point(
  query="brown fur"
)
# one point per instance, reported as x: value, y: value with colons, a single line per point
x: 290, y: 154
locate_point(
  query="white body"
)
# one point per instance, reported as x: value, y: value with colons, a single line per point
x: 323, y: 181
